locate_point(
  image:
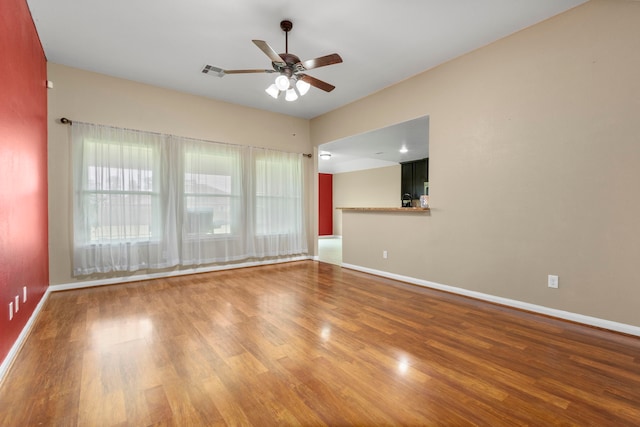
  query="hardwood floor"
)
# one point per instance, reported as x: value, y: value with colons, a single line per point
x: 309, y: 343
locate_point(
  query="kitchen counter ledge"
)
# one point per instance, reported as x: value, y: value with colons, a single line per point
x: 386, y: 209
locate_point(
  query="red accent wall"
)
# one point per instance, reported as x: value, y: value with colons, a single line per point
x: 23, y: 169
x: 325, y: 203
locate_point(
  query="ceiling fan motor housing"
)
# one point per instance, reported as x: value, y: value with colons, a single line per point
x: 291, y: 62
x: 289, y: 58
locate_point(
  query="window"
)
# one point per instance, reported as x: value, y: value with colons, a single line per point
x: 212, y: 194
x: 145, y: 200
x: 278, y: 193
x: 119, y: 194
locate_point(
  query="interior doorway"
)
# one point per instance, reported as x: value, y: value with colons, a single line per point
x: 330, y: 249
x: 329, y: 245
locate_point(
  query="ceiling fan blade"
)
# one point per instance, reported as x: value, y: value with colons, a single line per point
x: 309, y: 64
x: 317, y: 83
x: 247, y: 71
x: 273, y: 56
x: 210, y: 69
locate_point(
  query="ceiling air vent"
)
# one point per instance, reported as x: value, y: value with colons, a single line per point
x: 210, y: 69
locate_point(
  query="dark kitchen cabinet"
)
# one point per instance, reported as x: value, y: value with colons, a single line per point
x: 414, y: 175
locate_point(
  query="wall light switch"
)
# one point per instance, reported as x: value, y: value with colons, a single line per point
x: 552, y: 281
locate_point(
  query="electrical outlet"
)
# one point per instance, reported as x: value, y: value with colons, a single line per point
x: 552, y: 281
x: 11, y: 310
x: 24, y: 294
x: 384, y: 254
x: 17, y: 299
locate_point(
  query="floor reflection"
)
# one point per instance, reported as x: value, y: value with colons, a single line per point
x: 106, y: 333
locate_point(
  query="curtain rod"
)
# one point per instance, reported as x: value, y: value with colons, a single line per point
x: 69, y: 122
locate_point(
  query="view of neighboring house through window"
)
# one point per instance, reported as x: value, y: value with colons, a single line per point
x: 120, y: 194
x: 212, y: 194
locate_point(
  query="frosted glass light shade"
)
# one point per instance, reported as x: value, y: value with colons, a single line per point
x: 291, y: 95
x: 282, y: 82
x: 303, y: 87
x: 273, y: 91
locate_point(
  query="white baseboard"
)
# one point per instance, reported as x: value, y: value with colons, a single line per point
x: 566, y: 315
x: 139, y: 277
x: 15, y: 348
x: 574, y: 317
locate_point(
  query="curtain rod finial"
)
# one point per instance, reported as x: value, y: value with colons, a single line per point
x: 66, y: 121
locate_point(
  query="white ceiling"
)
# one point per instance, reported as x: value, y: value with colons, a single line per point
x: 167, y: 42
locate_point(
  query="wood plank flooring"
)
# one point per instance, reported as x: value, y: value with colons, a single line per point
x: 310, y: 343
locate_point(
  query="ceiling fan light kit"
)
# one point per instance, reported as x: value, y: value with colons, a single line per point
x: 291, y: 79
x: 291, y: 95
x: 282, y: 82
x: 273, y: 91
x: 303, y: 87
x: 292, y: 88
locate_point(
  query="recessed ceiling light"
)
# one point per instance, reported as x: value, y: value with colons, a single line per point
x: 404, y: 149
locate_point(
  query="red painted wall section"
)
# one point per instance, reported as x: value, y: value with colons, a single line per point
x: 325, y: 204
x: 23, y: 170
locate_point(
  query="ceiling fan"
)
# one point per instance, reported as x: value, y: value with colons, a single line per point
x: 292, y: 79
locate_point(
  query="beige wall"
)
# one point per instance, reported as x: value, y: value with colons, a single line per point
x: 534, y: 161
x: 534, y: 167
x: 378, y: 187
x: 95, y: 98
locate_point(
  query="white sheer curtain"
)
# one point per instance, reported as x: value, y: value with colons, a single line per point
x: 144, y: 200
x: 120, y: 211
x: 278, y: 204
x: 213, y: 201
